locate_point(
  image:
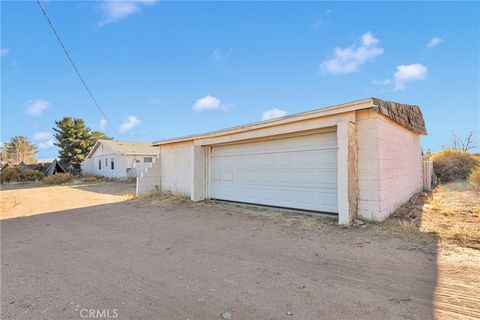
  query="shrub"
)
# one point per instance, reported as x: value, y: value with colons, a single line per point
x: 59, y: 178
x: 474, y: 178
x: 87, y: 178
x: 452, y: 164
x: 32, y: 175
x: 17, y: 174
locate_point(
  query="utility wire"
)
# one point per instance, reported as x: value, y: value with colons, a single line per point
x: 75, y: 67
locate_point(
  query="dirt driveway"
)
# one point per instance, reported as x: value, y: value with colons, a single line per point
x: 26, y: 200
x: 173, y: 259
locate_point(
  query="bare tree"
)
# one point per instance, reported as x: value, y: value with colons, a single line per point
x: 465, y: 144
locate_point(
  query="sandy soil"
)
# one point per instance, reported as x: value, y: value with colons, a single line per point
x: 28, y: 199
x: 165, y: 258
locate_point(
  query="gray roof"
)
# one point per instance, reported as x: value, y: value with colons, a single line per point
x: 126, y: 147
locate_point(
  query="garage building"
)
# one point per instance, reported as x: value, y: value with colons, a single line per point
x: 361, y: 158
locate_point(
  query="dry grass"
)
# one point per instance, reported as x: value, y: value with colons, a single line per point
x: 451, y: 212
x: 160, y: 197
x: 474, y: 178
x: 59, y: 178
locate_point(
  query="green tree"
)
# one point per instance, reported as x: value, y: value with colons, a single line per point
x: 18, y: 149
x: 97, y: 135
x: 74, y: 139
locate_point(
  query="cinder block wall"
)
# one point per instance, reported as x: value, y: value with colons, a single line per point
x: 176, y: 168
x: 389, y: 165
x: 368, y: 165
x: 400, y: 165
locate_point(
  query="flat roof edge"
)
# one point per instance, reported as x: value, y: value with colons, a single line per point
x: 339, y: 108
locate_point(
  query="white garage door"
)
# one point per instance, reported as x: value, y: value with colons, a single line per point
x: 297, y: 172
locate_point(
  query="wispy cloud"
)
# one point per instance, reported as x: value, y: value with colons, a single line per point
x: 273, y: 113
x: 382, y: 82
x: 319, y: 23
x: 435, y: 41
x: 4, y: 51
x: 403, y: 75
x: 408, y: 73
x: 209, y: 103
x: 219, y: 55
x: 349, y: 60
x: 114, y: 10
x: 36, y: 107
x: 103, y: 124
x: 130, y: 123
x: 43, y: 140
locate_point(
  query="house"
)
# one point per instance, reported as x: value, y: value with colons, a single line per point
x: 119, y: 159
x: 361, y: 158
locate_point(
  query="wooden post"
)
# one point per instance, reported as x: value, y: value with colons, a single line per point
x: 427, y: 175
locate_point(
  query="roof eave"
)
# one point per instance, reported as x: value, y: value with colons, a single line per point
x: 332, y: 110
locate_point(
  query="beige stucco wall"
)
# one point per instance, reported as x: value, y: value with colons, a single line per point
x: 177, y: 167
x: 389, y: 165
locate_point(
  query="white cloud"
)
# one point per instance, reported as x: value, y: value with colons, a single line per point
x: 349, y: 60
x: 273, y: 113
x: 114, y: 10
x: 220, y: 55
x: 207, y: 103
x: 407, y: 73
x: 36, y: 107
x: 382, y: 82
x: 4, y: 51
x: 435, y: 41
x: 44, y: 140
x: 130, y: 123
x: 103, y: 124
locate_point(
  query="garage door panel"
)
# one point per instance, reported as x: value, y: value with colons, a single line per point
x: 317, y: 141
x: 305, y: 159
x: 298, y: 172
x: 281, y: 197
x: 304, y: 178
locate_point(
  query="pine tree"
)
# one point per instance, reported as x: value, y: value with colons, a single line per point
x: 75, y: 139
x: 97, y: 135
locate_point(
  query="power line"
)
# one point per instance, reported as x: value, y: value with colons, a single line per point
x: 75, y: 67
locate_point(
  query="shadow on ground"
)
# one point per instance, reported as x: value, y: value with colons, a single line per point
x: 179, y: 260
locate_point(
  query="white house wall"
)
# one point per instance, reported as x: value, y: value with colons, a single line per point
x: 119, y: 170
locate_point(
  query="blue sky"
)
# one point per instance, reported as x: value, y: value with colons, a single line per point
x: 165, y: 69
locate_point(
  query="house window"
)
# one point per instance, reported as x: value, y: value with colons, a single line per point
x: 106, y: 162
x: 137, y: 161
x: 113, y: 164
x: 147, y: 159
x: 99, y: 164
